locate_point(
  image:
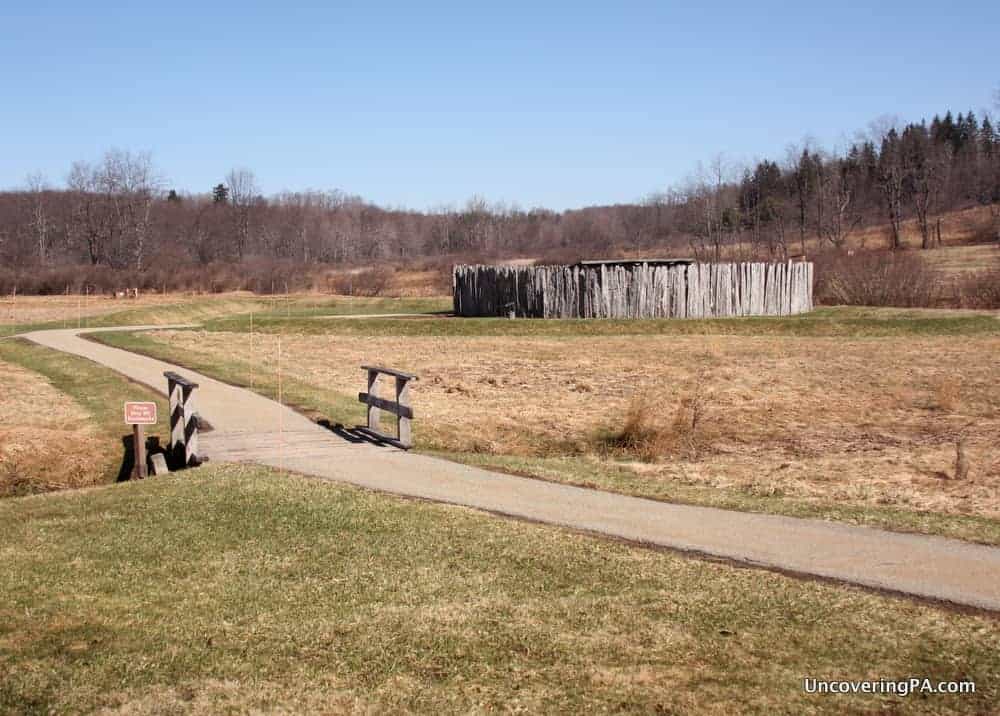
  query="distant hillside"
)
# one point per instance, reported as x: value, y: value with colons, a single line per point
x: 115, y: 224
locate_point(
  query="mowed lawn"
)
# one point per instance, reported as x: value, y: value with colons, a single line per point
x: 847, y: 414
x: 233, y: 589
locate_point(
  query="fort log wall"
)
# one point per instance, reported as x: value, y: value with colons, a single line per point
x: 634, y: 290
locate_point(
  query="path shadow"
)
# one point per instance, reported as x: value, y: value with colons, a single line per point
x: 128, y: 456
x: 355, y: 435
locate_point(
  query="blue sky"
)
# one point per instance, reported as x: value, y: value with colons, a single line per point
x: 426, y: 104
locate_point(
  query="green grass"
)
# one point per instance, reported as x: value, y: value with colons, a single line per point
x: 265, y: 308
x: 233, y: 590
x: 100, y: 391
x: 847, y: 322
x: 317, y: 306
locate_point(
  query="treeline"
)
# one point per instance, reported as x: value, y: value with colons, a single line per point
x: 919, y: 171
x: 118, y: 216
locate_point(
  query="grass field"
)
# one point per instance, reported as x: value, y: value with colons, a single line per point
x: 833, y: 322
x: 848, y: 414
x: 233, y: 590
x: 237, y: 589
x: 23, y: 313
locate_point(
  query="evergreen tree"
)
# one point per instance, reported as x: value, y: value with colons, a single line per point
x: 173, y: 197
x: 987, y: 138
x: 936, y: 128
x: 957, y: 134
x: 946, y: 129
x: 969, y: 131
x: 220, y: 194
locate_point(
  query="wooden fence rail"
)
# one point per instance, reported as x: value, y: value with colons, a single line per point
x: 634, y: 290
x: 400, y: 407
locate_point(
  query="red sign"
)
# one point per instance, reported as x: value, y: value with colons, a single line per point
x: 140, y: 413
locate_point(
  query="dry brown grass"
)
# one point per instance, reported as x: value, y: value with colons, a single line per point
x: 857, y: 421
x: 649, y: 434
x: 46, y: 439
x: 38, y: 309
x: 958, y: 229
x: 947, y: 393
x: 954, y: 261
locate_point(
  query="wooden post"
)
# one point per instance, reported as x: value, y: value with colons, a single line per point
x: 139, y: 449
x: 400, y: 407
x: 374, y: 414
x: 403, y: 433
x: 183, y: 445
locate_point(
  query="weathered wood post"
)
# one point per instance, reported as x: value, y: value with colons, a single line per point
x: 374, y: 414
x: 400, y: 407
x: 183, y: 445
x: 403, y: 430
x: 139, y: 444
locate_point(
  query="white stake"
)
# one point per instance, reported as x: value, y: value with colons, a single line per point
x: 251, y: 350
x: 281, y: 415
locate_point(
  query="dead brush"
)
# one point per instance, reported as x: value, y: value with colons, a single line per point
x: 649, y: 436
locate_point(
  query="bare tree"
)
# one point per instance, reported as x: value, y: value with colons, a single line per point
x: 113, y: 202
x: 843, y: 213
x: 927, y: 171
x: 800, y: 165
x: 92, y: 218
x: 40, y: 223
x: 707, y: 220
x: 892, y: 179
x: 243, y: 191
x: 137, y: 184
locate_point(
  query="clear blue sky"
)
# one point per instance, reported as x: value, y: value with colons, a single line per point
x: 422, y: 104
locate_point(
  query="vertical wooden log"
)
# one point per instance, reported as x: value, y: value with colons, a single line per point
x: 706, y: 290
x: 403, y: 429
x: 374, y: 414
x: 680, y: 291
x: 809, y: 286
x: 758, y: 289
x: 786, y: 285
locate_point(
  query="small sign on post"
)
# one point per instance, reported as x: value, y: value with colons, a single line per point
x: 138, y: 414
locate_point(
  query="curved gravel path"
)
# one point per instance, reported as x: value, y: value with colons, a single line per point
x: 251, y: 428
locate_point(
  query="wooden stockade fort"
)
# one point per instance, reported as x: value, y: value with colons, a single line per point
x: 634, y: 288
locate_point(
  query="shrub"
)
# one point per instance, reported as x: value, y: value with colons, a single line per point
x: 876, y: 278
x: 979, y: 290
x: 648, y: 436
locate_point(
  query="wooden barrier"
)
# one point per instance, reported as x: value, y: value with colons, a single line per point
x: 400, y: 407
x: 183, y: 445
x: 634, y: 289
